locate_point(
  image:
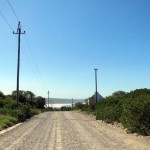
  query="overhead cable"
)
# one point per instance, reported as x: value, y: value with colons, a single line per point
x: 13, y: 10
x: 6, y: 20
x: 30, y: 63
x: 34, y: 61
x: 28, y: 46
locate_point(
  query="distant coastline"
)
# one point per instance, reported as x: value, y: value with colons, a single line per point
x: 58, y: 102
x: 58, y: 105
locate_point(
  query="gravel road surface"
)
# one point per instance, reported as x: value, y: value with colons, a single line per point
x: 68, y: 131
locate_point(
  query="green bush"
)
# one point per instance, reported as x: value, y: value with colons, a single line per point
x: 40, y: 102
x: 22, y: 113
x: 109, y: 109
x: 109, y: 114
x: 136, y: 114
x: 8, y: 107
x: 64, y: 108
x: 86, y: 108
x: 35, y: 111
x: 79, y: 105
x: 2, y: 95
x: 7, y: 102
x: 47, y: 109
x: 6, y: 121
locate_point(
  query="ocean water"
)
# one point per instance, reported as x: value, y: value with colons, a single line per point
x: 58, y: 105
x: 59, y: 102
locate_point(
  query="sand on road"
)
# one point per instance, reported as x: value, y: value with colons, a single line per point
x: 68, y: 131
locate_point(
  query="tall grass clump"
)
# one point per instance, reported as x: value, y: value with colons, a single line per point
x: 7, y: 121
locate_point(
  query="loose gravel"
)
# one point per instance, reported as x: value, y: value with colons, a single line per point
x: 69, y: 131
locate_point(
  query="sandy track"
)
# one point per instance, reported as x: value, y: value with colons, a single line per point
x: 68, y: 131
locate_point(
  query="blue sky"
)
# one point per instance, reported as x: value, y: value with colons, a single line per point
x: 66, y: 39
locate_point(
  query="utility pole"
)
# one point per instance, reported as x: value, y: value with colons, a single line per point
x: 51, y: 103
x: 18, y: 63
x: 72, y: 103
x: 48, y: 99
x: 96, y: 85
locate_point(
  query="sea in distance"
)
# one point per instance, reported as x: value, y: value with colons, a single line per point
x: 58, y: 102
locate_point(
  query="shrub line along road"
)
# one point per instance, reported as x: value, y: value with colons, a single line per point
x: 68, y: 131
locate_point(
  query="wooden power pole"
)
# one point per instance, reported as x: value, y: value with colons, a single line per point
x: 96, y: 85
x: 48, y: 99
x: 18, y: 63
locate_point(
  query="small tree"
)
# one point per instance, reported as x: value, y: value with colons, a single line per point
x: 30, y: 97
x: 79, y: 105
x: 119, y: 93
x: 22, y: 97
x: 2, y: 95
x: 40, y: 102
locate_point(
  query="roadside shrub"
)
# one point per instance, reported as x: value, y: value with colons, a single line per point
x: 136, y: 114
x: 6, y: 121
x: 109, y: 114
x: 64, y: 108
x: 40, y: 102
x: 35, y: 111
x: 2, y: 94
x: 9, y: 110
x: 79, y: 105
x: 85, y: 107
x: 109, y: 109
x: 22, y: 113
x: 47, y: 109
x: 7, y: 101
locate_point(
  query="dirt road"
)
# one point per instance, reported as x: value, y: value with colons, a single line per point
x: 68, y: 131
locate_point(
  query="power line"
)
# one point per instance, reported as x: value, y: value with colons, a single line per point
x: 34, y: 61
x: 30, y: 64
x: 13, y: 10
x: 29, y: 49
x: 6, y: 20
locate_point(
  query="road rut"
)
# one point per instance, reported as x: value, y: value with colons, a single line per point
x: 68, y: 131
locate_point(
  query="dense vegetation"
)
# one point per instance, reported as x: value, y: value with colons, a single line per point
x: 131, y: 109
x: 29, y: 105
x: 65, y: 108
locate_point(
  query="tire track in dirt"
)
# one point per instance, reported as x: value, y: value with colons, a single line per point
x: 67, y: 131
